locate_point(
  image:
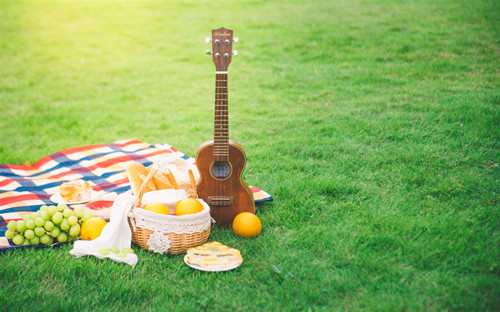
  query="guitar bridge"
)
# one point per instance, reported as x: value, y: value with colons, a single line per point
x: 220, y: 200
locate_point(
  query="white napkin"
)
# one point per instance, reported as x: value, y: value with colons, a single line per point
x: 116, y: 233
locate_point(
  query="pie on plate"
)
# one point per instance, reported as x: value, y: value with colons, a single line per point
x: 213, y: 256
x: 76, y: 191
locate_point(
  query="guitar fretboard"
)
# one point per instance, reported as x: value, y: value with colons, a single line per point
x: 221, y: 130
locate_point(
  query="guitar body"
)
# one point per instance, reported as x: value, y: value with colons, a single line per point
x: 221, y: 185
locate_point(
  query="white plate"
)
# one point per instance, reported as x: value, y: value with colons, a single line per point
x: 56, y: 198
x: 212, y: 269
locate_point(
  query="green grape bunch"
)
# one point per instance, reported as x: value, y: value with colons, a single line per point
x: 49, y: 225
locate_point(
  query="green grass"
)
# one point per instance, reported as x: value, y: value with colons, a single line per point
x: 374, y: 125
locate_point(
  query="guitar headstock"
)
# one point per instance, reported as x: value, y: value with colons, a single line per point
x: 222, y: 48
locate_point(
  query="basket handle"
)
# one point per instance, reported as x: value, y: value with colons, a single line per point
x: 138, y: 201
x: 191, y: 191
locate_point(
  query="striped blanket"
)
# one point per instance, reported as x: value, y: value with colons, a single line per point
x: 24, y: 189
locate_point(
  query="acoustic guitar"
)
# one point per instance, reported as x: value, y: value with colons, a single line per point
x: 221, y: 161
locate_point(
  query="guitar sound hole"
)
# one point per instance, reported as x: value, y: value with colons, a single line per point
x: 221, y: 169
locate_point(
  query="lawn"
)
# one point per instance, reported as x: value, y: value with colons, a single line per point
x: 373, y: 124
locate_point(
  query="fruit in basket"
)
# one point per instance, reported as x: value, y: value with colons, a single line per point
x: 92, y: 228
x: 188, y: 206
x: 156, y: 207
x: 247, y: 224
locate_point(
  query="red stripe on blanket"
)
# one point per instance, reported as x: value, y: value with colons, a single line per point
x: 127, y: 143
x: 6, y: 182
x: 13, y: 219
x: 62, y: 174
x: 106, y: 164
x: 112, y: 161
x: 99, y: 204
x: 19, y: 167
x: 105, y: 186
x: 73, y: 150
x: 18, y: 198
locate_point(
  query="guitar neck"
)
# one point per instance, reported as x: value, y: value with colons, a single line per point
x: 221, y: 128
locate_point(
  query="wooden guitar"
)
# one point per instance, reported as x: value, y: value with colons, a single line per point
x: 221, y: 161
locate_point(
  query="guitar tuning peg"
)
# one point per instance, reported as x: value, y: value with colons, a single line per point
x: 235, y: 52
x: 235, y: 40
x: 209, y: 52
x: 208, y: 40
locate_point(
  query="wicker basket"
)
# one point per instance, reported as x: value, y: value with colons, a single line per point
x: 167, y: 234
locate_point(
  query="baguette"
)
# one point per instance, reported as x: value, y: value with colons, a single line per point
x: 165, y: 181
x: 137, y: 173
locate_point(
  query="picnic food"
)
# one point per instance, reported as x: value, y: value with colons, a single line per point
x: 188, y: 206
x: 92, y: 228
x: 214, y: 254
x: 164, y: 181
x: 247, y: 224
x: 137, y: 173
x: 50, y: 224
x: 156, y: 207
x: 74, y: 191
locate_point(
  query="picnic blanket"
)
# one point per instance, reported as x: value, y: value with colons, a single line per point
x: 24, y: 189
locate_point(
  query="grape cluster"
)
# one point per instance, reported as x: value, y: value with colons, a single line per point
x: 48, y: 225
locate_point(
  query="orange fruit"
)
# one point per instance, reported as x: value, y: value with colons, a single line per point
x: 246, y: 224
x: 156, y: 207
x: 188, y: 206
x: 92, y: 228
